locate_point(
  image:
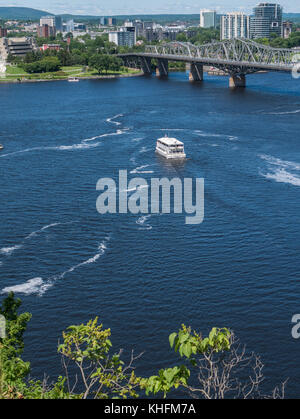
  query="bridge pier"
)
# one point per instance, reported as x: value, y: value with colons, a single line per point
x: 196, y: 72
x: 162, y: 69
x: 237, y: 80
x: 146, y: 65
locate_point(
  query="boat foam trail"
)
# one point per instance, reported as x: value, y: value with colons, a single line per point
x: 83, y: 145
x: 281, y: 163
x: 32, y: 286
x: 283, y: 176
x: 142, y: 222
x: 140, y: 170
x: 39, y: 286
x: 8, y: 251
x: 111, y: 120
x: 200, y: 133
x: 282, y: 113
x: 281, y: 170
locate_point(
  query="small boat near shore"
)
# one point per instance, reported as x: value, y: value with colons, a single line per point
x: 1, y: 147
x: 170, y: 148
x: 73, y: 79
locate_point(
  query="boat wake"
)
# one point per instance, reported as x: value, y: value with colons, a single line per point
x: 137, y: 140
x: 140, y: 170
x: 143, y: 224
x: 281, y: 171
x: 83, y: 145
x: 39, y: 286
x: 200, y: 133
x: 112, y: 120
x: 8, y: 251
x: 144, y: 150
x: 33, y: 286
x: 282, y: 112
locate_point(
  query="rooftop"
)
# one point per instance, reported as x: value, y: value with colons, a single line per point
x: 170, y: 141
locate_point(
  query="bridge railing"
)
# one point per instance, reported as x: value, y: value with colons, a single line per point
x: 236, y: 50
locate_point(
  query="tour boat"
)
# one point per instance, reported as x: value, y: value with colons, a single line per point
x: 73, y: 79
x: 170, y: 148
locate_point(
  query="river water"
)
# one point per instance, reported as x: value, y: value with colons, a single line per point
x: 145, y: 275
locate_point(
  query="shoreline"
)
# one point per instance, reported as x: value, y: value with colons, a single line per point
x: 110, y: 76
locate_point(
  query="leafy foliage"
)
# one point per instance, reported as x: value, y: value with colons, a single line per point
x: 104, y: 62
x: 48, y: 64
x: 103, y: 376
x: 188, y: 345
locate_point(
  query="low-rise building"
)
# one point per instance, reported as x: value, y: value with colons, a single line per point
x: 17, y: 47
x: 287, y: 29
x: 51, y: 47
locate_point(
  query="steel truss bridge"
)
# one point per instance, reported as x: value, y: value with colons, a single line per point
x: 236, y: 57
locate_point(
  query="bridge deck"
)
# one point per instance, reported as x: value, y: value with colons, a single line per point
x: 251, y: 66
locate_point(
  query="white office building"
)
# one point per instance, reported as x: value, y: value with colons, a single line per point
x: 48, y: 20
x: 208, y: 18
x: 235, y: 25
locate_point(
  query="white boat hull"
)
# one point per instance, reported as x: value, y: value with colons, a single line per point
x: 170, y: 156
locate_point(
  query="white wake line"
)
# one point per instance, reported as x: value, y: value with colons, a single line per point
x: 39, y: 286
x: 79, y: 146
x: 142, y: 222
x: 139, y: 170
x: 281, y: 163
x: 282, y: 113
x: 7, y: 251
x: 282, y: 176
x: 111, y: 120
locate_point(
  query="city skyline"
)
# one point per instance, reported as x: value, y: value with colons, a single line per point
x: 120, y: 7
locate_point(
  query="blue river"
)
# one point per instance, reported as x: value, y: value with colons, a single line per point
x: 145, y: 275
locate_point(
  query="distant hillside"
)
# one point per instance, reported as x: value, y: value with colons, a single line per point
x: 160, y: 18
x: 21, y: 13
x: 26, y: 13
x: 294, y: 17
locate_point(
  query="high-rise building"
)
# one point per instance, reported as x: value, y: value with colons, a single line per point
x: 47, y: 20
x: 69, y: 26
x: 45, y: 31
x: 126, y: 36
x: 235, y: 25
x: 267, y: 20
x: 138, y: 24
x: 58, y: 23
x: 112, y: 21
x: 103, y: 21
x: 3, y: 32
x: 208, y: 18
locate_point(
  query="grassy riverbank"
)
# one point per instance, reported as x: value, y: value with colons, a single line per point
x: 17, y: 74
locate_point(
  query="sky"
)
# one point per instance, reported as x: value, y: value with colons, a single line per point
x: 127, y: 7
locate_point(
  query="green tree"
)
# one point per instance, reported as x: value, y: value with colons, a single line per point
x: 45, y: 65
x: 100, y: 62
x: 103, y: 375
x: 87, y: 347
x: 217, y: 363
